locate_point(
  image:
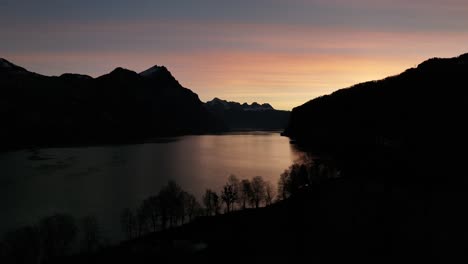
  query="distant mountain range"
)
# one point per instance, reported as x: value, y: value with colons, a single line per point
x: 117, y: 107
x: 220, y: 104
x: 248, y: 116
x: 423, y: 107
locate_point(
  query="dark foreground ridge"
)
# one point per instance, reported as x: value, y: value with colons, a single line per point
x: 401, y: 145
x: 421, y: 106
x: 119, y: 107
x: 265, y: 234
x: 336, y: 222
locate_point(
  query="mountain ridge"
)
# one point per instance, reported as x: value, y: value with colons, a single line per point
x: 244, y: 106
x: 7, y: 67
x: 119, y: 106
x: 420, y: 105
x: 245, y: 116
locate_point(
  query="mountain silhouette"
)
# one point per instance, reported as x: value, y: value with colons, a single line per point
x: 247, y: 117
x: 117, y: 107
x: 400, y: 144
x: 421, y: 107
x: 7, y: 67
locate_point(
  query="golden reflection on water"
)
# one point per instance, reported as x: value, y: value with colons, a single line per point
x: 102, y: 180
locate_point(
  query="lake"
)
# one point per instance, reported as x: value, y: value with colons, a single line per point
x: 102, y: 180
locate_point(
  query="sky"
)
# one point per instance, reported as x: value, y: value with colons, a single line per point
x: 281, y: 52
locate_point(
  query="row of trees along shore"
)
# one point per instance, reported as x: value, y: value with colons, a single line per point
x: 61, y: 234
x: 173, y: 206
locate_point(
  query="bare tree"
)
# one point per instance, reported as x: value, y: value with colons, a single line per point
x: 192, y: 207
x: 171, y: 202
x: 57, y: 232
x: 206, y: 200
x: 151, y: 208
x: 216, y: 203
x: 245, y: 193
x: 284, y: 182
x: 212, y: 202
x: 234, y: 182
x: 128, y: 222
x: 228, y: 196
x: 91, y: 233
x: 170, y: 207
x: 230, y: 192
x: 269, y: 193
x: 142, y: 220
x: 299, y: 177
x: 258, y: 190
x: 181, y: 209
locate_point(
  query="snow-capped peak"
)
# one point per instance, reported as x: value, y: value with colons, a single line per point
x: 243, y: 107
x: 153, y: 70
x: 217, y: 101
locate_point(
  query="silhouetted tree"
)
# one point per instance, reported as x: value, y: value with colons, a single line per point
x: 258, y: 190
x: 206, y: 199
x: 143, y: 216
x: 245, y: 193
x: 284, y: 183
x: 211, y: 202
x: 229, y: 197
x: 269, y: 193
x: 57, y: 232
x: 129, y: 223
x: 293, y: 179
x: 151, y: 209
x: 216, y: 203
x: 299, y: 177
x: 184, y: 205
x: 230, y: 192
x: 192, y: 206
x: 235, y: 183
x: 170, y: 207
x: 91, y: 234
x: 171, y: 203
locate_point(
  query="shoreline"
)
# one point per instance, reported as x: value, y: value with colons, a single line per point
x: 158, y: 139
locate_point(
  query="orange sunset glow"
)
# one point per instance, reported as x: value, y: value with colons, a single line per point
x: 285, y: 61
x: 233, y: 131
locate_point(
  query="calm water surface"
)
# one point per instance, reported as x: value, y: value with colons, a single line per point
x: 103, y: 180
